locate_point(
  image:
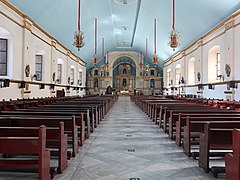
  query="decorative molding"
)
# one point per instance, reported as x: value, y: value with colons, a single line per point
x: 229, y: 25
x: 54, y: 43
x: 27, y: 24
x: 200, y: 42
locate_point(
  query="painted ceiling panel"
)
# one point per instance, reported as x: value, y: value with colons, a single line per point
x: 193, y: 19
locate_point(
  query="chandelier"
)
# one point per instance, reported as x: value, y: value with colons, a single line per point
x: 174, y: 36
x: 155, y: 57
x: 95, y: 57
x: 78, y: 35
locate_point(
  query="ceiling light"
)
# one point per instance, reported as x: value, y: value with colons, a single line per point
x: 125, y: 2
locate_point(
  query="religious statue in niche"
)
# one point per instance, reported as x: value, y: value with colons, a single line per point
x: 198, y: 76
x: 27, y: 70
x: 227, y: 70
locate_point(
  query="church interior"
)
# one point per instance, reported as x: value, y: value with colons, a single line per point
x: 119, y: 89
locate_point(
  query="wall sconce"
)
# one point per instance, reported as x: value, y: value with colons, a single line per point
x: 200, y: 87
x: 52, y: 86
x: 233, y: 84
x: 42, y: 86
x: 211, y: 86
x: 22, y: 85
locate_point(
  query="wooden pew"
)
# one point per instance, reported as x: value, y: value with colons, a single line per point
x: 55, y: 138
x: 195, y: 113
x: 87, y: 124
x: 27, y: 146
x: 33, y: 120
x: 214, y: 138
x: 168, y: 110
x: 232, y: 160
x: 195, y: 127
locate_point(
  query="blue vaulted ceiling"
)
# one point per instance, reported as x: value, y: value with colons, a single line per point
x: 125, y: 24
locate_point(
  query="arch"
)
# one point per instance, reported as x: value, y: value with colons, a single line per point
x: 60, y: 70
x: 114, y: 59
x: 214, y: 69
x: 169, y: 77
x: 40, y: 56
x: 72, y: 74
x: 7, y: 36
x: 191, y: 71
x: 177, y: 74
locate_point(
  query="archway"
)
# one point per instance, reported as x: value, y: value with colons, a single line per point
x: 124, y: 74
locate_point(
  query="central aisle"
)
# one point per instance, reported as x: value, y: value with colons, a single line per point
x: 128, y: 145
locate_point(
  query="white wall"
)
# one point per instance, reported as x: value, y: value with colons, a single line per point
x: 26, y: 39
x: 227, y: 36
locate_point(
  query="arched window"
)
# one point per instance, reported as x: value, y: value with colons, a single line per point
x: 59, y: 71
x: 39, y: 62
x: 169, y: 78
x: 95, y: 72
x: 72, y: 75
x: 191, y: 71
x: 177, y: 74
x: 214, y: 62
x: 80, y: 77
x: 6, y: 53
x: 152, y: 83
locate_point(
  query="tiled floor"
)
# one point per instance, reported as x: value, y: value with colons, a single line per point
x: 127, y: 145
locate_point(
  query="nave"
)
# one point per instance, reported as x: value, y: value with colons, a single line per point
x: 126, y: 145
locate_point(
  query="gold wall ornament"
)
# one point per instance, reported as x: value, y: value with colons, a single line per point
x: 155, y: 60
x: 95, y: 59
x: 174, y: 36
x: 78, y: 39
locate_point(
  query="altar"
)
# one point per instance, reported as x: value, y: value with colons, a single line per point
x: 124, y: 92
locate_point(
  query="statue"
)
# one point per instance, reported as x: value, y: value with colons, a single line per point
x: 109, y: 90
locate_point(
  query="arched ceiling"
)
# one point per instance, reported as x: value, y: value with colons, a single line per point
x: 126, y: 25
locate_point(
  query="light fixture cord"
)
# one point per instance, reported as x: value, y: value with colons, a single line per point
x: 95, y: 37
x: 146, y: 51
x: 173, y: 22
x: 155, y: 35
x: 103, y: 51
x: 79, y: 4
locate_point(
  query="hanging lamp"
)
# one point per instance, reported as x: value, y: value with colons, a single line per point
x: 155, y: 57
x: 78, y: 35
x: 174, y: 36
x: 95, y: 57
x: 147, y: 65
